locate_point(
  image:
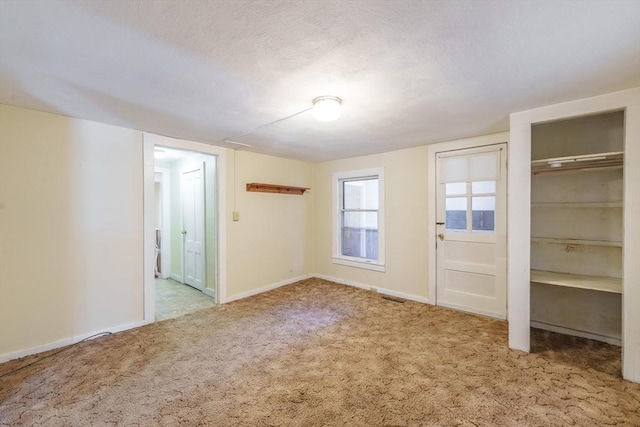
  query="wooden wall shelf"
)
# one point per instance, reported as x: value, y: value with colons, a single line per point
x: 274, y: 188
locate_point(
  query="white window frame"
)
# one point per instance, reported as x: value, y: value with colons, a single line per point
x: 338, y: 258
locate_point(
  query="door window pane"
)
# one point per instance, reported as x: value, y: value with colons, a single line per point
x: 455, y: 188
x: 483, y: 187
x: 360, y: 194
x: 483, y: 211
x: 360, y: 234
x: 456, y: 213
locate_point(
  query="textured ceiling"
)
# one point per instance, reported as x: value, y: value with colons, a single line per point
x: 409, y: 72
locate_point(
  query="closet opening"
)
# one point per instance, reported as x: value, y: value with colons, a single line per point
x: 577, y: 239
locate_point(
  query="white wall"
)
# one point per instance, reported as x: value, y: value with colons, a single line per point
x: 70, y: 228
x: 405, y: 173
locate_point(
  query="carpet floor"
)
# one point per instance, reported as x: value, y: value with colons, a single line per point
x: 320, y: 354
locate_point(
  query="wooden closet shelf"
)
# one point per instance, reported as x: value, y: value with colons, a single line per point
x: 586, y: 162
x: 577, y: 241
x: 577, y: 205
x: 275, y: 188
x: 595, y: 283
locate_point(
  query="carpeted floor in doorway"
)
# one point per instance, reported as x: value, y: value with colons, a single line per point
x: 316, y: 353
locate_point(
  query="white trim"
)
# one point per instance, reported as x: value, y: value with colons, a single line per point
x: 148, y: 230
x: 353, y: 262
x: 270, y: 287
x: 366, y: 287
x: 66, y: 341
x: 338, y: 258
x: 466, y: 309
x: 176, y: 277
x: 576, y: 333
x: 165, y: 231
x: 432, y: 179
x: 210, y: 292
x: 150, y: 140
x: 520, y: 217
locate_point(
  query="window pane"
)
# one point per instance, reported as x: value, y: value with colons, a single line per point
x: 483, y: 211
x: 483, y: 187
x: 360, y: 194
x: 456, y: 213
x: 360, y: 234
x: 455, y: 188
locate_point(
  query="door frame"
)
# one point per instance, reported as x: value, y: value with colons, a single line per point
x: 499, y: 236
x: 149, y: 142
x: 519, y: 223
x: 165, y: 231
x: 432, y: 182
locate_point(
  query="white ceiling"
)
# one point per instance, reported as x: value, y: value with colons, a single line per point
x: 410, y: 72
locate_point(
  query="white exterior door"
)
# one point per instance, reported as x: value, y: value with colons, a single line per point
x: 193, y: 228
x: 471, y: 230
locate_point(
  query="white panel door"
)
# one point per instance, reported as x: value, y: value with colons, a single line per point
x: 471, y: 230
x: 193, y: 228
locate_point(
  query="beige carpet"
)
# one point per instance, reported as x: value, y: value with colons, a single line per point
x: 316, y: 353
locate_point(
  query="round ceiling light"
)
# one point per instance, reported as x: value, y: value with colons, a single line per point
x: 327, y: 108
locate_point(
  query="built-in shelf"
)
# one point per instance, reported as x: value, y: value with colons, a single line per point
x: 577, y: 205
x: 275, y: 188
x: 596, y: 283
x: 586, y: 162
x: 576, y: 241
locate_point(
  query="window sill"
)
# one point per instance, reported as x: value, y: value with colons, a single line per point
x: 371, y: 265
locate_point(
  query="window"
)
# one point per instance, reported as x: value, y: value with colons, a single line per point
x: 359, y: 219
x: 482, y: 198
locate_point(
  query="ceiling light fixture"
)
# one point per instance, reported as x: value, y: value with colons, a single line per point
x: 327, y: 108
x: 159, y: 154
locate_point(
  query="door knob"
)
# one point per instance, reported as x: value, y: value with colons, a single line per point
x: 441, y: 236
x: 184, y: 232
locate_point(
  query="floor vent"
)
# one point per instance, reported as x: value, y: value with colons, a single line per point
x: 394, y: 299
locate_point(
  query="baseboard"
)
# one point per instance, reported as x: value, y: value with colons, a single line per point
x: 176, y: 277
x: 264, y: 289
x: 367, y: 287
x: 66, y: 341
x: 576, y: 333
x: 209, y: 292
x: 478, y: 312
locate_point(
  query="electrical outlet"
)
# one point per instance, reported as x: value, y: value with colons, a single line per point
x: 236, y: 216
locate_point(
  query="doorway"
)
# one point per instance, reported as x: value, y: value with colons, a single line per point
x: 181, y: 272
x: 467, y: 233
x: 194, y: 223
x: 471, y: 230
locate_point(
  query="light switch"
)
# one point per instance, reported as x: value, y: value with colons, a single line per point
x: 236, y: 216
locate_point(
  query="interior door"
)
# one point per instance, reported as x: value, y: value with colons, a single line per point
x: 471, y: 230
x: 193, y: 226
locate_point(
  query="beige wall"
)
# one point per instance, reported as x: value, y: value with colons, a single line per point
x: 70, y: 228
x: 272, y: 241
x: 405, y: 173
